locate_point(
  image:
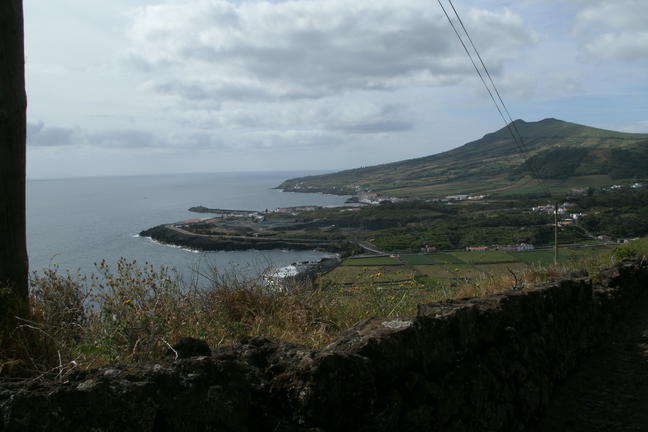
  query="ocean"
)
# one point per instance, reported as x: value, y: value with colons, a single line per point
x: 74, y: 223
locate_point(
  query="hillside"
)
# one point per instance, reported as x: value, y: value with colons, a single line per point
x: 564, y: 155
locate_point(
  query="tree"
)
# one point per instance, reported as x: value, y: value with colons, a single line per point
x: 13, y: 131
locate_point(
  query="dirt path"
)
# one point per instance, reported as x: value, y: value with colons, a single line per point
x: 610, y: 392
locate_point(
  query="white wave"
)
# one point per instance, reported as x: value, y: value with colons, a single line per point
x: 159, y: 243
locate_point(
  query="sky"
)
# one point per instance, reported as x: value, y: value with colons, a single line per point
x: 136, y: 87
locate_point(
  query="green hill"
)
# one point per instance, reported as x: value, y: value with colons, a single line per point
x: 563, y: 155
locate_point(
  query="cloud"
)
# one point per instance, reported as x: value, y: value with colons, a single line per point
x: 636, y: 127
x: 39, y: 135
x: 125, y: 138
x: 353, y: 114
x: 614, y: 29
x: 199, y: 140
x: 553, y: 83
x: 215, y: 50
x: 376, y: 127
x: 368, y: 119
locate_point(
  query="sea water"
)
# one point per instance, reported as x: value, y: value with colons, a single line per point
x: 72, y: 224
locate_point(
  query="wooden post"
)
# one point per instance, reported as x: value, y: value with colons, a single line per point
x: 13, y: 132
x: 556, y: 234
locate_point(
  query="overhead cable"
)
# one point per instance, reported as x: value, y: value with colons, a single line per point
x: 509, y: 123
x: 490, y: 78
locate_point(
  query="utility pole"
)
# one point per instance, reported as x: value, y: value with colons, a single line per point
x: 556, y: 234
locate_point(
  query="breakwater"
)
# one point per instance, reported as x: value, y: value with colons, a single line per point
x: 170, y: 235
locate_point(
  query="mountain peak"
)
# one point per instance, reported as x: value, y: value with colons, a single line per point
x: 486, y: 164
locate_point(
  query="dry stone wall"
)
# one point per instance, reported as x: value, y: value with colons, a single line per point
x: 482, y: 364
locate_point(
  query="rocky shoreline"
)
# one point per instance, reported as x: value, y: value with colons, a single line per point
x: 203, y: 209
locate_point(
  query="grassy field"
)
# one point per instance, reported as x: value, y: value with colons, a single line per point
x: 371, y: 262
x: 449, y: 268
x: 367, y: 274
x: 431, y: 259
x: 486, y: 257
x: 448, y: 272
x: 546, y: 257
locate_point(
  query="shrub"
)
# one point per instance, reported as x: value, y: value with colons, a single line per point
x: 633, y: 249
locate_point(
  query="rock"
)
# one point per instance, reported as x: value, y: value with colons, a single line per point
x: 87, y: 385
x: 189, y: 347
x: 582, y: 273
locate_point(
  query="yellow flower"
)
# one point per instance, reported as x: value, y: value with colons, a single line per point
x: 127, y: 301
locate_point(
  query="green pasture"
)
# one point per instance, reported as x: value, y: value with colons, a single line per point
x: 431, y: 259
x: 486, y: 257
x: 448, y: 272
x: 449, y: 267
x: 370, y: 262
x: 346, y: 275
x: 501, y: 268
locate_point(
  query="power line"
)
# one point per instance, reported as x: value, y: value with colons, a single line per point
x: 510, y: 124
x: 472, y: 60
x: 490, y: 78
x: 518, y: 140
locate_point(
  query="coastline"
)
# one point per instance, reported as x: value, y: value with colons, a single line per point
x: 305, y: 270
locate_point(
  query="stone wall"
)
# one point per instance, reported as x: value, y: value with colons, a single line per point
x: 482, y: 364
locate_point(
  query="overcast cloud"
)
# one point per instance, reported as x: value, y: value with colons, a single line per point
x: 615, y: 30
x: 218, y: 51
x: 212, y: 85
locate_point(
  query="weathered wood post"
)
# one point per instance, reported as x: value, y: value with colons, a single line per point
x: 13, y: 132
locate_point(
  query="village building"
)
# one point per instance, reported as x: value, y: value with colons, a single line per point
x: 457, y: 197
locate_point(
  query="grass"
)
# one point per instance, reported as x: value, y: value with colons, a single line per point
x: 444, y: 268
x: 487, y: 257
x: 546, y: 257
x: 378, y: 274
x: 431, y: 259
x: 502, y: 268
x: 541, y: 257
x: 130, y: 313
x: 377, y: 261
x: 443, y: 273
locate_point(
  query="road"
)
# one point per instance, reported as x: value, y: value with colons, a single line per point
x: 372, y: 248
x: 610, y: 391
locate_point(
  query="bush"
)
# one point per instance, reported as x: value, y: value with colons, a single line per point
x: 132, y: 313
x: 634, y: 249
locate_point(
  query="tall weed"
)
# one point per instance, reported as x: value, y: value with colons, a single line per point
x: 131, y: 313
